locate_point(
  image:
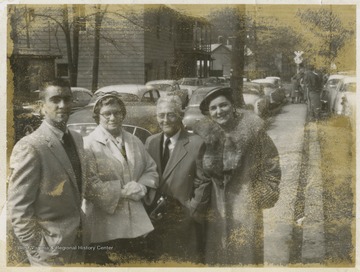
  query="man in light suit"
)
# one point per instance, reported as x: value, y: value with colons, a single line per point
x: 46, y: 184
x: 178, y: 155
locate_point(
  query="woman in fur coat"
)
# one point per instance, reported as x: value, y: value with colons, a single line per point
x: 243, y: 163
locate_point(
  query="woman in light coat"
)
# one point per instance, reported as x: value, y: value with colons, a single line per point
x: 243, y: 164
x: 117, y: 219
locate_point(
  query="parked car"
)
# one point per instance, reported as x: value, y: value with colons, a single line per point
x: 140, y: 102
x: 190, y: 83
x: 28, y: 116
x: 275, y: 80
x: 25, y: 121
x: 276, y: 93
x: 81, y: 97
x: 168, y: 86
x: 216, y: 81
x: 255, y: 98
x: 328, y: 93
x: 345, y: 101
x: 192, y: 111
x: 85, y: 128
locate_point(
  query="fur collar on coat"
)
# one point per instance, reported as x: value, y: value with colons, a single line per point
x: 225, y: 150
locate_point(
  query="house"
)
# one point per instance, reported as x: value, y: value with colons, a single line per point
x: 221, y: 59
x: 136, y: 43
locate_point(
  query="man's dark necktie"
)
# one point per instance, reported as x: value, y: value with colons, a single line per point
x: 70, y: 149
x: 166, y: 154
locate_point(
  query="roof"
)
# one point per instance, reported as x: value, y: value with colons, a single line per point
x: 81, y: 89
x: 162, y: 81
x: 215, y: 46
x: 39, y: 53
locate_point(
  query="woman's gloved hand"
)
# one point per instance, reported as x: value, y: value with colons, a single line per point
x: 134, y: 191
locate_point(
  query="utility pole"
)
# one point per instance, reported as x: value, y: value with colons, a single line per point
x: 237, y: 57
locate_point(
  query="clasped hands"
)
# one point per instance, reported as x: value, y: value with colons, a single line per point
x: 133, y: 190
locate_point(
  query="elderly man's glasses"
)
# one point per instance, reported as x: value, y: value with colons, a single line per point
x: 108, y: 114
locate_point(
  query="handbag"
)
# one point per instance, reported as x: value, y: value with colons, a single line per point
x: 157, y: 210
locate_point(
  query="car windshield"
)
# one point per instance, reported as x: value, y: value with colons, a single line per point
x: 333, y: 82
x: 196, y: 99
x: 267, y: 84
x: 163, y: 87
x: 190, y: 82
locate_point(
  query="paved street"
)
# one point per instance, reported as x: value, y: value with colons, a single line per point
x: 288, y: 131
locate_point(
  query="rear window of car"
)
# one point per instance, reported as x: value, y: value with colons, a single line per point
x: 189, y: 82
x: 196, y: 99
x: 251, y: 90
x: 81, y: 96
x: 163, y: 87
x: 126, y: 97
x: 333, y: 81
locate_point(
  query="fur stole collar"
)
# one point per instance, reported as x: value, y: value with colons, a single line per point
x: 225, y: 150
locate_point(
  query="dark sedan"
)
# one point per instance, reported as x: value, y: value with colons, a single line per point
x: 275, y: 92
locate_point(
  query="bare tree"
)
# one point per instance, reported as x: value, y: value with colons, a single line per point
x: 99, y: 15
x: 69, y: 28
x: 237, y: 58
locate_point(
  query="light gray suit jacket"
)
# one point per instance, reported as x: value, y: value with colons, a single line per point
x: 44, y: 200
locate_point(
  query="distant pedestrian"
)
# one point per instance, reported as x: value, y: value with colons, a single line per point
x: 313, y: 85
x: 244, y: 167
x: 297, y: 95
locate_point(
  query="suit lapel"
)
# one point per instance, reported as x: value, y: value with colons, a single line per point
x: 59, y: 152
x: 157, y: 151
x: 177, y: 155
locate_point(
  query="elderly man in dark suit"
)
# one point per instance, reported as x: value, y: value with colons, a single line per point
x: 47, y: 182
x: 178, y: 155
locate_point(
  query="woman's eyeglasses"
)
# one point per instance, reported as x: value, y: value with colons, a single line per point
x: 108, y: 114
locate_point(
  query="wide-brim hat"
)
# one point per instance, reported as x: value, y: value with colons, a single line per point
x: 212, y: 94
x: 101, y: 97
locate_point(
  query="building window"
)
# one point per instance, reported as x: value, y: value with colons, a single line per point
x: 62, y: 70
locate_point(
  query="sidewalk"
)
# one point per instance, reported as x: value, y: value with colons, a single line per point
x: 287, y: 132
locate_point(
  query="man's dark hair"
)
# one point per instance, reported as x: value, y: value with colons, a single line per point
x: 60, y: 82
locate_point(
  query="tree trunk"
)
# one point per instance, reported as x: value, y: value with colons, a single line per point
x: 237, y: 58
x: 95, y: 69
x: 76, y: 31
x: 72, y: 72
